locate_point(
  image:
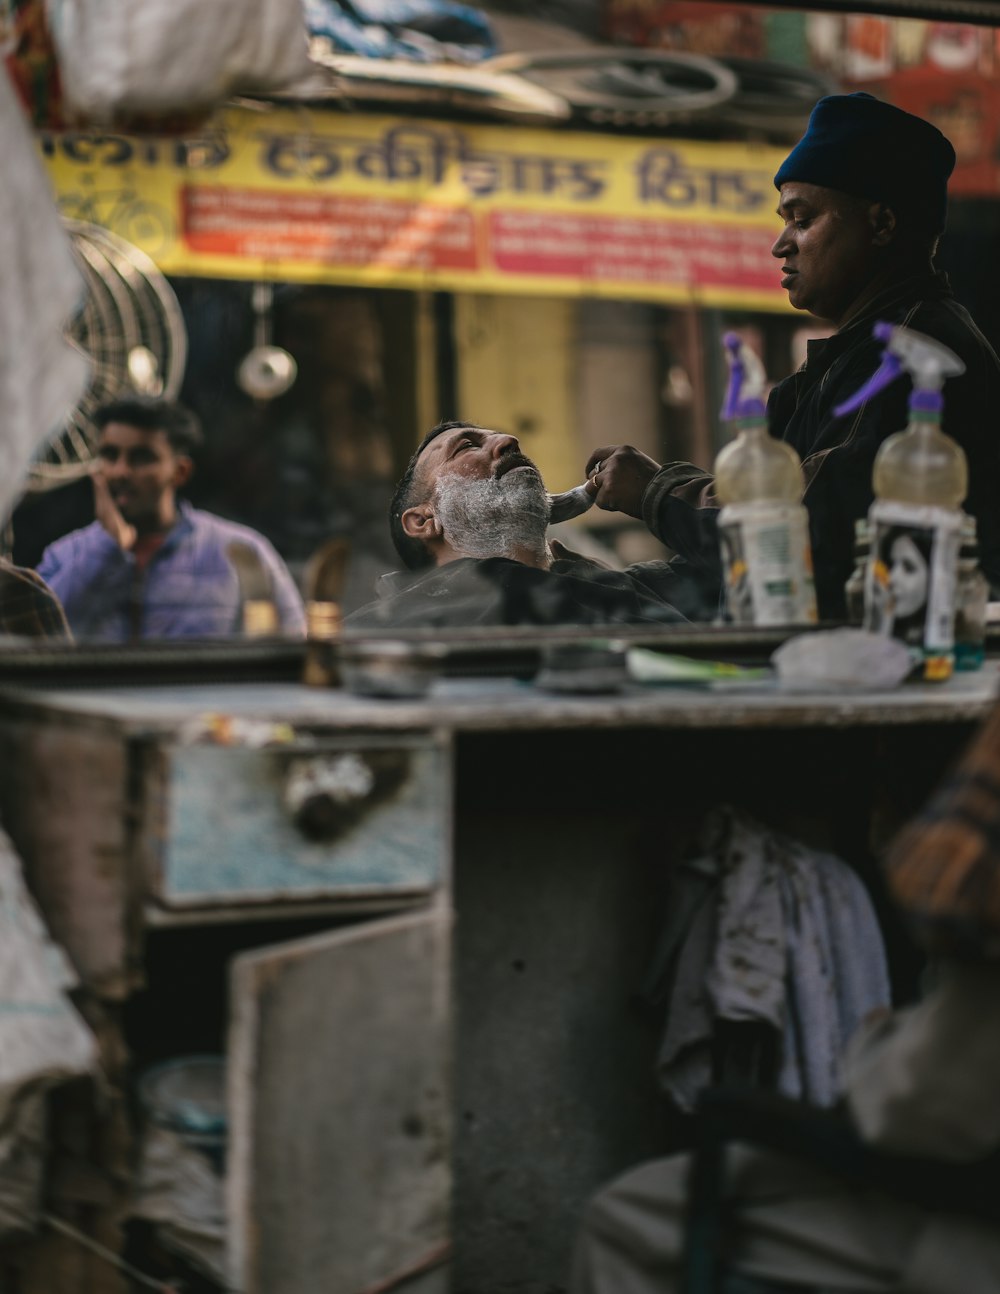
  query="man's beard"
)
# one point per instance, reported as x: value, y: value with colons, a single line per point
x: 496, y: 517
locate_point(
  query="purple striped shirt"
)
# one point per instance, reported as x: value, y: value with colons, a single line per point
x: 189, y: 588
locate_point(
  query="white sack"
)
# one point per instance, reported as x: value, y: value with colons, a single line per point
x: 161, y: 57
x: 42, y: 375
x: 43, y: 1039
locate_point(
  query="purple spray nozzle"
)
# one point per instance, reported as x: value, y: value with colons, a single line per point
x: 744, y: 394
x: 887, y: 372
x: 928, y: 363
x: 734, y: 388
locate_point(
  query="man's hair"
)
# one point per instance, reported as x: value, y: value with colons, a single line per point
x: 148, y: 413
x: 413, y: 552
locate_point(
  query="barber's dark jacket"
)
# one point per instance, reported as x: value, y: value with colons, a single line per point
x: 498, y: 591
x: 680, y: 507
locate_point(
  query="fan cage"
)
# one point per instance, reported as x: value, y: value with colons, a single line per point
x: 128, y: 303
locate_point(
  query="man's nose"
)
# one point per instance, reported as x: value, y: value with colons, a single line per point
x: 115, y: 468
x: 501, y: 444
x: 780, y: 246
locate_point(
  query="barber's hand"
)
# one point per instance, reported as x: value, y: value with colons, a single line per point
x: 107, y: 513
x: 617, y: 476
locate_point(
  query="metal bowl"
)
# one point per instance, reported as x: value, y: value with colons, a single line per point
x: 586, y: 667
x: 389, y: 667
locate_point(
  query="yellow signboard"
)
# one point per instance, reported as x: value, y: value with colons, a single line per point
x: 311, y: 195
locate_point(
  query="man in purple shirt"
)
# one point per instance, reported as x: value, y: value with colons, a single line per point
x: 151, y: 566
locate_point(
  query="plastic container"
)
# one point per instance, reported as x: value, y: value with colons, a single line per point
x: 763, y: 527
x: 920, y: 478
x: 854, y: 589
x: 972, y: 595
x: 188, y: 1096
x: 322, y: 631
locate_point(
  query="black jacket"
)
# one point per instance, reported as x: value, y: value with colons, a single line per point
x: 838, y: 453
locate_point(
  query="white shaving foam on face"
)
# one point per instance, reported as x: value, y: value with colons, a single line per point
x: 493, y: 517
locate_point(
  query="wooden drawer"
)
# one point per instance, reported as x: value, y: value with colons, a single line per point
x: 341, y: 817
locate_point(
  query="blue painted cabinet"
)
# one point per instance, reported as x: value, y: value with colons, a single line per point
x: 338, y: 817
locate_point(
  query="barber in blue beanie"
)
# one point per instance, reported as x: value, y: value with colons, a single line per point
x: 863, y: 199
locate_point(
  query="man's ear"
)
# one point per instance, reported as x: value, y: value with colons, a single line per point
x: 883, y: 222
x: 183, y: 470
x: 421, y: 523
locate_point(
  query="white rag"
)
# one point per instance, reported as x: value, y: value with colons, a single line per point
x: 788, y: 939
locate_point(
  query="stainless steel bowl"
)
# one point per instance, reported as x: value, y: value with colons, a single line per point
x: 584, y: 667
x: 389, y: 667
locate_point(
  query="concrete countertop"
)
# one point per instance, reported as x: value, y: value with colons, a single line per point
x: 506, y: 704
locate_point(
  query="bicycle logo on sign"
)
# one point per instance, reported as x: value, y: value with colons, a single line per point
x: 124, y: 212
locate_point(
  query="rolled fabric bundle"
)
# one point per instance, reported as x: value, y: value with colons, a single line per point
x: 943, y: 869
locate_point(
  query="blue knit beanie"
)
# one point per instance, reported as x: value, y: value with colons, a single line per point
x: 861, y: 145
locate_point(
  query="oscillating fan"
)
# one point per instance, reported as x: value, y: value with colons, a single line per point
x: 132, y: 328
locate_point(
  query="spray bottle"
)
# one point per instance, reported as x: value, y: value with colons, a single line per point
x: 920, y: 479
x: 763, y: 527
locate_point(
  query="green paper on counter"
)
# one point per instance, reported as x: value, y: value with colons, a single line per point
x: 646, y: 666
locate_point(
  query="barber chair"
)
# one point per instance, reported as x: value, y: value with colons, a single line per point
x: 825, y: 1138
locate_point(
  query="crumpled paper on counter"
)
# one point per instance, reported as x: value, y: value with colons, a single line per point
x: 849, y: 660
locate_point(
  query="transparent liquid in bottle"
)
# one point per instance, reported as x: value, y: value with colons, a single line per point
x: 919, y: 468
x: 922, y: 466
x: 756, y: 468
x: 764, y: 530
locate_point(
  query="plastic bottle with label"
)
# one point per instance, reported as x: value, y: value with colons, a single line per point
x: 854, y: 588
x: 920, y: 478
x: 763, y: 527
x: 972, y: 595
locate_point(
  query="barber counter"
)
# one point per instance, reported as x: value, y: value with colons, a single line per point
x: 416, y: 930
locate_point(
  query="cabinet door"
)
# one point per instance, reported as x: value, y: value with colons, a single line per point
x: 339, y: 1169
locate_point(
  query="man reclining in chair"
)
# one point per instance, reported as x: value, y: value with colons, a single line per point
x: 902, y: 1194
x: 468, y: 520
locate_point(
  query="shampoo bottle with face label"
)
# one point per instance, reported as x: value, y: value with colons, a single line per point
x: 920, y: 478
x: 763, y: 527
